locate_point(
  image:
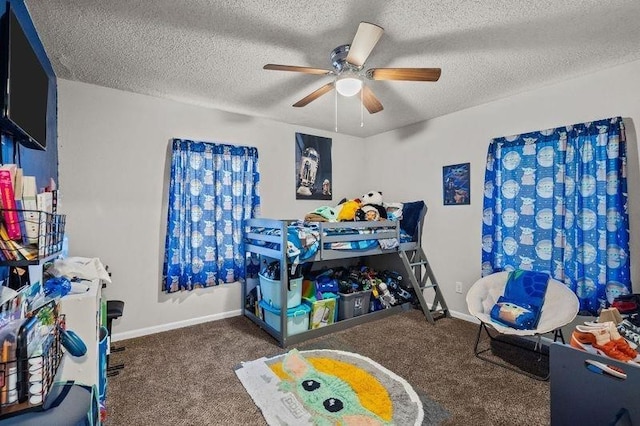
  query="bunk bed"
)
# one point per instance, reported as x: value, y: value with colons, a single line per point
x: 293, y: 242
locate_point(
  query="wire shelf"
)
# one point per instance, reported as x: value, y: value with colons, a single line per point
x: 29, y: 235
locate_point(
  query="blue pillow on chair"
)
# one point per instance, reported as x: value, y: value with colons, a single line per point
x: 515, y: 314
x: 521, y: 304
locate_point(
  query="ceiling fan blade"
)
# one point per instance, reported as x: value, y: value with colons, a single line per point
x: 306, y: 70
x: 371, y: 103
x: 363, y: 43
x: 315, y: 95
x: 405, y: 74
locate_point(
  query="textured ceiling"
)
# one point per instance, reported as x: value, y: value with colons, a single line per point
x: 211, y: 53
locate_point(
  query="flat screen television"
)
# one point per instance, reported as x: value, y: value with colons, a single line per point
x: 25, y: 85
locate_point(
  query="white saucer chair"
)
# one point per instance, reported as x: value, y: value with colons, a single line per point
x: 560, y: 307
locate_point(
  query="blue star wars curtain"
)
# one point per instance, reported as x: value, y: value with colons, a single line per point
x: 555, y: 201
x: 212, y: 191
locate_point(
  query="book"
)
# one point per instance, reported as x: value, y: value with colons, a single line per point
x: 54, y: 201
x: 13, y: 170
x: 8, y: 200
x: 28, y: 253
x: 31, y: 217
x: 21, y: 221
x: 8, y: 251
x: 44, y: 201
x: 19, y: 251
x: 7, y: 254
x: 17, y: 184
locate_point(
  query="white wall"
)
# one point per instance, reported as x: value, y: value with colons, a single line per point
x: 407, y: 163
x: 113, y: 151
x: 113, y: 172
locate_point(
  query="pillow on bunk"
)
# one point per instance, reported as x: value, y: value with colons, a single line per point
x: 521, y: 304
x: 394, y: 210
x: 412, y: 212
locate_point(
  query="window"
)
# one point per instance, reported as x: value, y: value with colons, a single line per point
x: 556, y: 201
x: 213, y: 189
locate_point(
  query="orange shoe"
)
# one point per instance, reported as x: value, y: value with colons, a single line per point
x: 597, y: 340
x: 621, y: 343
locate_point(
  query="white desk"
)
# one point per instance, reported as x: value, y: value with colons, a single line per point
x: 82, y: 315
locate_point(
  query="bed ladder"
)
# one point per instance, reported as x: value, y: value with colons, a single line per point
x: 421, y: 279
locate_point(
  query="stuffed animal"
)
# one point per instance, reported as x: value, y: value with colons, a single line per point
x: 347, y: 209
x: 371, y: 208
x: 322, y: 214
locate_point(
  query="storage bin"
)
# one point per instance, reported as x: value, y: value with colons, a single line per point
x: 353, y: 304
x: 103, y: 347
x: 270, y: 290
x: 297, y: 317
x: 26, y: 377
x: 324, y: 311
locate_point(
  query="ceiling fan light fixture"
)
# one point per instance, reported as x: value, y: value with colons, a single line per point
x: 348, y: 70
x: 348, y: 85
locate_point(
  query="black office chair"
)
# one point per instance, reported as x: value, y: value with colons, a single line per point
x: 115, y: 309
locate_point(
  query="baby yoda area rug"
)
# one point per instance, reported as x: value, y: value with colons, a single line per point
x: 330, y: 387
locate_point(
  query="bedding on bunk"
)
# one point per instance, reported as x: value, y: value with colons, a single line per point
x: 303, y: 240
x: 383, y: 243
x: 303, y: 237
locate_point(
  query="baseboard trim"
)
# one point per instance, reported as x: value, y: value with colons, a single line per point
x: 186, y: 323
x: 173, y: 325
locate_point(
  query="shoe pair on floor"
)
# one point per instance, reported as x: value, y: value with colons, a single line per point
x: 629, y: 331
x: 634, y: 319
x: 603, y: 338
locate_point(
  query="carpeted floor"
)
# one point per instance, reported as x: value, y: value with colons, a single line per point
x: 186, y: 376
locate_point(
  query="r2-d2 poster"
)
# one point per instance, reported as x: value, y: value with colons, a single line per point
x: 313, y: 167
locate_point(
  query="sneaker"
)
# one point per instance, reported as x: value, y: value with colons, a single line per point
x: 630, y: 326
x: 634, y: 319
x: 629, y: 335
x: 597, y: 340
x: 621, y: 344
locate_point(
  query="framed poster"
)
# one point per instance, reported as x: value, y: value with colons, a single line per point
x: 313, y: 167
x: 456, y: 186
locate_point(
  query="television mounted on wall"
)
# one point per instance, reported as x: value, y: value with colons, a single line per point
x: 25, y: 85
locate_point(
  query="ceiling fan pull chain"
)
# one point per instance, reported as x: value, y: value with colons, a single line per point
x: 362, y: 106
x: 336, y: 111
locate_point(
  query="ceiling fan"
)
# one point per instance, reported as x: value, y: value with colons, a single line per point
x: 348, y: 62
